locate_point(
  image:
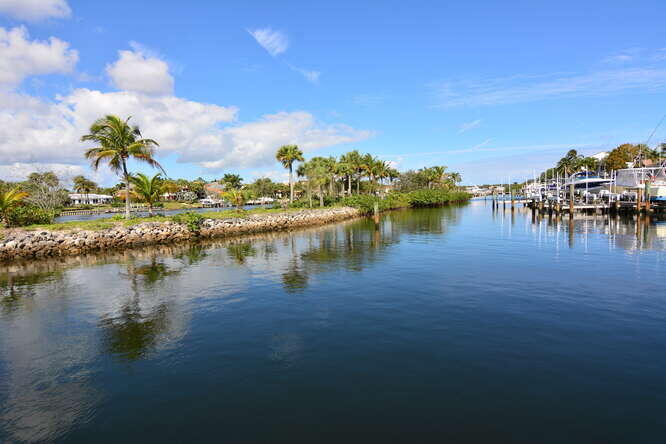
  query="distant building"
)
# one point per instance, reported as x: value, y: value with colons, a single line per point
x: 600, y: 156
x: 89, y: 199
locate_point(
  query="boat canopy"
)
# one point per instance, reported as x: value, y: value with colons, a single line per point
x: 635, y: 177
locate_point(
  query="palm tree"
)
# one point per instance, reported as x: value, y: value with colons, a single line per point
x: 569, y: 164
x: 316, y: 171
x: 236, y: 197
x: 119, y: 142
x: 287, y: 155
x: 437, y: 174
x: 147, y: 189
x: 346, y: 169
x: 232, y: 181
x: 356, y: 162
x: 83, y: 185
x: 9, y: 200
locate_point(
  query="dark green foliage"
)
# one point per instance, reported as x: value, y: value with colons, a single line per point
x: 192, y: 220
x: 419, y: 198
x: 24, y: 215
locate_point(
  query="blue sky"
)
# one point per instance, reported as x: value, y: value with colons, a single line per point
x: 491, y: 89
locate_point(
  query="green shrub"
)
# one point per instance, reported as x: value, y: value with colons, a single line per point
x: 24, y: 215
x: 419, y: 198
x: 192, y: 220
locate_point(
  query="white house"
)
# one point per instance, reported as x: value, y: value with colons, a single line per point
x: 89, y: 199
x: 600, y: 156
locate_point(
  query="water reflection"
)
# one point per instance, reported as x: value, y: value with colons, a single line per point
x: 70, y: 325
x: 628, y: 232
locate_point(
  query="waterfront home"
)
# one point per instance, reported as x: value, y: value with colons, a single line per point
x: 89, y: 199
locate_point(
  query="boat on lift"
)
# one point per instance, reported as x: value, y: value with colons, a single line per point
x: 585, y: 181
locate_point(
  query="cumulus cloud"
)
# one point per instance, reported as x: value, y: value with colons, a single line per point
x: 140, y: 71
x: 38, y: 133
x: 21, y: 57
x: 35, y: 10
x: 253, y: 144
x: 35, y: 131
x: 275, y: 42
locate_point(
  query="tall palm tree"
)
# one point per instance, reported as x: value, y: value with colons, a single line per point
x: 118, y: 142
x: 147, y: 189
x: 317, y: 173
x: 287, y: 155
x: 346, y: 169
x: 9, y: 200
x: 356, y: 163
x: 569, y: 164
x: 232, y: 181
x: 437, y: 174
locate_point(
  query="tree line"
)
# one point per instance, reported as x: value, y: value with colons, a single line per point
x: 116, y: 142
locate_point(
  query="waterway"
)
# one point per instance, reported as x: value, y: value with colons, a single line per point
x: 454, y: 324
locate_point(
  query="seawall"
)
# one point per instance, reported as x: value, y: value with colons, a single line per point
x: 23, y: 244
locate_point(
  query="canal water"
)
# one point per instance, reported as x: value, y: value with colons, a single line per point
x: 455, y: 324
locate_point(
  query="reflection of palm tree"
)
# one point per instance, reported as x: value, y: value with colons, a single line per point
x: 194, y: 254
x: 241, y: 251
x: 132, y: 334
x: 154, y: 272
x: 294, y: 279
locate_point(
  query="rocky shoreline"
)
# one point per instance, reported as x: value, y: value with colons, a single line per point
x: 23, y: 244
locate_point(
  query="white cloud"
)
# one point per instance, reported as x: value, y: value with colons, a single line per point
x: 38, y: 132
x: 469, y: 126
x: 21, y: 57
x: 35, y: 10
x: 310, y: 76
x: 275, y: 42
x: 522, y: 89
x: 253, y: 144
x: 140, y: 71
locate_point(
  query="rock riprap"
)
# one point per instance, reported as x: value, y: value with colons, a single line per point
x: 21, y: 244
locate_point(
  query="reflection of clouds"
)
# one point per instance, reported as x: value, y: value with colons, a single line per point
x: 46, y: 359
x: 66, y: 314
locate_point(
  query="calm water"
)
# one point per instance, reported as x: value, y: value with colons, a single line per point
x: 443, y: 325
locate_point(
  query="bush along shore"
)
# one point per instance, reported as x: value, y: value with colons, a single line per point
x: 83, y: 237
x: 413, y: 199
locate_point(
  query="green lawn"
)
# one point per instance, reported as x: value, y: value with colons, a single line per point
x: 103, y: 224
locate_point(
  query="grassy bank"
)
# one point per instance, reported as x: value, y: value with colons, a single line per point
x: 364, y: 202
x: 103, y: 224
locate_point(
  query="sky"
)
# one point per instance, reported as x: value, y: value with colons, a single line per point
x: 494, y: 90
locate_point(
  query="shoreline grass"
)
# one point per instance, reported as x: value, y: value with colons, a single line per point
x: 365, y: 203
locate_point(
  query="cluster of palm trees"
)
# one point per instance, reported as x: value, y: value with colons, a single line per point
x: 437, y: 177
x: 331, y: 176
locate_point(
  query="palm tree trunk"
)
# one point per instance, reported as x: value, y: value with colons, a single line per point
x: 310, y: 194
x: 291, y: 184
x: 150, y: 209
x: 127, y: 191
x: 321, y: 197
x: 358, y: 185
x: 349, y: 187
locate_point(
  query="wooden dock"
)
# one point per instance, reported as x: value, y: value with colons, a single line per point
x: 565, y: 206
